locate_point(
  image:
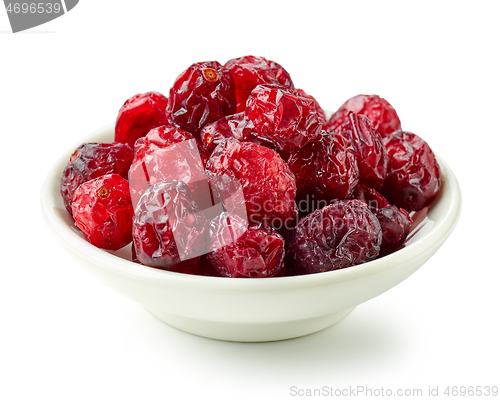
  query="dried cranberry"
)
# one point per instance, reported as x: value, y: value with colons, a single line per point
x: 319, y: 109
x: 251, y: 71
x: 168, y: 228
x: 240, y: 252
x: 324, y: 171
x: 395, y: 222
x: 283, y: 117
x: 368, y: 148
x: 340, y: 235
x: 202, y: 94
x: 267, y: 183
x: 378, y: 110
x: 166, y: 153
x: 103, y: 211
x: 92, y: 160
x: 139, y: 115
x: 232, y: 126
x: 413, y: 176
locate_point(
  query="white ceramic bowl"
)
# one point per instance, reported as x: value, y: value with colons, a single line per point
x: 249, y: 310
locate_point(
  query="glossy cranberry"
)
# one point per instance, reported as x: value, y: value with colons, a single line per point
x: 168, y: 228
x: 340, y: 235
x: 166, y: 153
x: 103, y: 211
x: 413, y: 177
x: 139, y: 115
x: 395, y: 222
x: 251, y: 71
x: 324, y: 171
x: 282, y: 117
x: 266, y: 181
x: 256, y: 253
x: 378, y: 110
x: 319, y: 109
x: 232, y: 126
x: 368, y: 148
x: 92, y: 160
x: 202, y: 94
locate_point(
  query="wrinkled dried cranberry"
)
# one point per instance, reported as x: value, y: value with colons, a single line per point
x: 232, y: 126
x: 324, y: 171
x: 267, y: 183
x: 256, y: 253
x: 202, y: 94
x: 378, y: 110
x: 368, y: 148
x: 251, y: 71
x: 340, y: 235
x: 103, y: 211
x: 395, y: 222
x: 92, y: 160
x: 167, y: 153
x: 283, y: 117
x: 319, y: 109
x: 413, y: 176
x: 139, y: 115
x: 168, y: 228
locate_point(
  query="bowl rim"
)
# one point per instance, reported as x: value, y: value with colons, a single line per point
x: 445, y: 213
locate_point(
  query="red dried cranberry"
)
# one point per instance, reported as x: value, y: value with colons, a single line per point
x: 168, y: 228
x: 324, y: 171
x: 251, y: 71
x: 103, y: 211
x: 241, y: 252
x: 319, y: 109
x: 395, y: 222
x: 202, y: 94
x: 378, y: 110
x: 139, y: 115
x: 92, y: 160
x: 267, y: 183
x: 232, y: 126
x: 368, y: 148
x: 413, y: 177
x: 283, y: 117
x: 166, y: 153
x: 340, y: 235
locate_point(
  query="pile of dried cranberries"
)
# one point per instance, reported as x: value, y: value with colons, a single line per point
x: 238, y: 173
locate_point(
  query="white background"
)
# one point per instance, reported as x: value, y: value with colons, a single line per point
x: 64, y: 335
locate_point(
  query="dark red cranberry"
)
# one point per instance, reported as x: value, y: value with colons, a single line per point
x: 413, y: 176
x: 251, y: 71
x: 202, y: 94
x: 92, y: 160
x: 139, y: 115
x: 282, y: 117
x: 103, y: 211
x: 368, y: 148
x: 166, y: 153
x: 319, y: 109
x: 395, y: 222
x: 266, y: 181
x: 232, y: 126
x: 378, y: 110
x: 324, y: 171
x: 168, y: 228
x: 258, y: 252
x: 340, y: 235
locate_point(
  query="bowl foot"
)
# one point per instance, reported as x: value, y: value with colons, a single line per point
x: 250, y: 332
